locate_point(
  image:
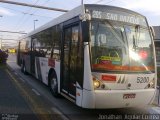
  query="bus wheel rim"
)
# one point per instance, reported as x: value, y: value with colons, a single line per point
x: 53, y: 83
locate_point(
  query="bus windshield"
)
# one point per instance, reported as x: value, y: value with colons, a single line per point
x: 120, y: 47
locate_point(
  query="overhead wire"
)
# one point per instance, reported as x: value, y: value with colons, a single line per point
x: 20, y: 21
x: 26, y: 13
x: 22, y: 12
x: 29, y: 17
x: 110, y: 1
x: 99, y: 1
x: 103, y: 0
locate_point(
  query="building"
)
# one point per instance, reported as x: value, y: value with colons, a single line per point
x: 157, y: 43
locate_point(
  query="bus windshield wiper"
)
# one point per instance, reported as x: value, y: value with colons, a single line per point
x: 117, y: 35
x: 97, y: 29
x: 136, y: 37
x: 114, y: 31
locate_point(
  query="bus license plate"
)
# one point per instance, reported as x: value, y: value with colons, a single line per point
x: 129, y: 96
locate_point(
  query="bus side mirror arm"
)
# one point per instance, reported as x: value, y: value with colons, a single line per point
x: 152, y: 31
x: 85, y: 31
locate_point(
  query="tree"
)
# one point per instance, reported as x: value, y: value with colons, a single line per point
x: 3, y: 57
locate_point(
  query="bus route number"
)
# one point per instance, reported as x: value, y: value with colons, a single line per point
x: 142, y: 79
x: 97, y: 14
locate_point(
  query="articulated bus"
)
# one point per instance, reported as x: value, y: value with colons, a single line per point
x: 97, y: 56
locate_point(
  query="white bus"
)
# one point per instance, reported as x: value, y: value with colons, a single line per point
x: 97, y: 56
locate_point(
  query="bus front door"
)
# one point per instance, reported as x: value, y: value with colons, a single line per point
x: 70, y: 60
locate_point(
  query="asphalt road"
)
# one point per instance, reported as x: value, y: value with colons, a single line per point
x: 68, y: 110
x: 11, y: 101
x: 18, y: 101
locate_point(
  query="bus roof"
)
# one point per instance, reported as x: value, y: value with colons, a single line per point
x: 75, y: 12
x: 66, y: 16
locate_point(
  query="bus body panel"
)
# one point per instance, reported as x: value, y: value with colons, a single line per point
x: 57, y: 70
x: 124, y: 81
x: 26, y: 60
x: 103, y: 99
x: 43, y: 67
x: 87, y: 84
x: 115, y: 98
x: 89, y: 99
x: 79, y: 95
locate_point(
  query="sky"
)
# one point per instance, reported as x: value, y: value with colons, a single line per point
x: 20, y: 18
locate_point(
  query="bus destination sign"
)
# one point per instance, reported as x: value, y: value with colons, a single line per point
x: 122, y: 17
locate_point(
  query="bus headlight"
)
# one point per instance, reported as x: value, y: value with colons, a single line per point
x: 96, y: 84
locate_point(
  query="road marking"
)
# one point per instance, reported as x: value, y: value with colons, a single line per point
x: 22, y: 79
x: 34, y: 106
x: 55, y: 110
x: 16, y: 73
x: 35, y: 91
x: 19, y: 75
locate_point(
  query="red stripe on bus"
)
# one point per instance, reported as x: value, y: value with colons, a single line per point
x: 108, y: 77
x: 51, y: 62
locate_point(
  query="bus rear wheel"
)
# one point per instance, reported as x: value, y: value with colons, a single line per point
x: 53, y: 84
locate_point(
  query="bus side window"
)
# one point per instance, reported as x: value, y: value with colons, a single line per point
x: 56, y: 37
x: 56, y: 55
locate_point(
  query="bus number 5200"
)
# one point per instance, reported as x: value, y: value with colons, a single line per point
x: 142, y: 79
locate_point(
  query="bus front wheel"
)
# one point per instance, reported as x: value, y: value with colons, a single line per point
x: 53, y: 84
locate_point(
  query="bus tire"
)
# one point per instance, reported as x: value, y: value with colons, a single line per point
x: 53, y: 85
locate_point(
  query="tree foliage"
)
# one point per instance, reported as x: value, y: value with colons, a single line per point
x: 3, y: 57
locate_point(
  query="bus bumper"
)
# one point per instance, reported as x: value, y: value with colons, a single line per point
x: 102, y: 99
x: 115, y: 98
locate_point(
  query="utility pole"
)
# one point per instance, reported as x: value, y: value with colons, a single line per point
x: 81, y: 2
x: 34, y: 22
